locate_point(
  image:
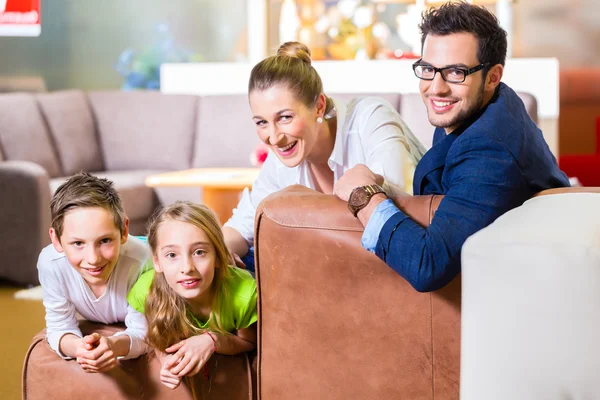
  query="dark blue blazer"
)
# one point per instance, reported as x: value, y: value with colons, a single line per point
x: 487, y: 166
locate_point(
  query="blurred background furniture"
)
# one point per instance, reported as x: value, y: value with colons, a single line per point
x: 579, y: 110
x: 585, y: 167
x: 125, y: 137
x: 22, y: 84
x: 221, y: 187
x: 530, y: 295
x: 580, y: 124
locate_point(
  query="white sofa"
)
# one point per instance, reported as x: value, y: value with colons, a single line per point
x: 531, y: 302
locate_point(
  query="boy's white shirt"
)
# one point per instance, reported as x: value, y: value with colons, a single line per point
x: 66, y: 293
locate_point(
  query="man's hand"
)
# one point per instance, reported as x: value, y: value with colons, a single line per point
x: 96, y: 354
x: 359, y: 175
x: 190, y: 355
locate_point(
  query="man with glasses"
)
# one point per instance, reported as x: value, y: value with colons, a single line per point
x: 487, y: 157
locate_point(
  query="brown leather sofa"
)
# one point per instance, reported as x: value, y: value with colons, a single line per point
x: 46, y: 377
x: 335, y: 322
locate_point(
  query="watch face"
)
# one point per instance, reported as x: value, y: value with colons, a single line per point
x: 359, y: 197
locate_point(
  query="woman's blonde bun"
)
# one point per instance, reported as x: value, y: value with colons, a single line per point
x: 296, y: 50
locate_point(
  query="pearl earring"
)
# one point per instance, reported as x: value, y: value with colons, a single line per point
x: 320, y: 120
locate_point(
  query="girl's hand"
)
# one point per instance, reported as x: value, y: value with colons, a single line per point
x: 168, y: 379
x: 190, y: 355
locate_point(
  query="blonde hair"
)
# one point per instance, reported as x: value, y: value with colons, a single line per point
x: 85, y: 190
x: 168, y: 315
x: 291, y: 66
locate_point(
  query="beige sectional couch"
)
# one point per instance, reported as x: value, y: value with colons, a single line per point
x: 124, y: 136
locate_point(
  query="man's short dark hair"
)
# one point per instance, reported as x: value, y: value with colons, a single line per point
x: 459, y: 17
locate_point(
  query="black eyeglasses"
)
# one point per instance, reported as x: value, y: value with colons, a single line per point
x: 449, y: 74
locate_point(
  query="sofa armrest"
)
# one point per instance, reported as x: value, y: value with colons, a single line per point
x: 24, y: 218
x: 45, y: 374
x: 574, y: 189
x: 335, y: 321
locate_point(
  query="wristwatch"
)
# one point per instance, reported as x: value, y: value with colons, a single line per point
x: 360, y: 197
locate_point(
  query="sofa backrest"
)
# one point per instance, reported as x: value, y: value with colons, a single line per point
x: 226, y: 135
x: 116, y: 131
x: 144, y: 130
x: 24, y: 135
x: 225, y: 132
x: 71, y: 126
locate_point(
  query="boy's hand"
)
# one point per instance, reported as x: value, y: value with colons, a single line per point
x: 91, y: 341
x: 190, y: 355
x: 100, y: 358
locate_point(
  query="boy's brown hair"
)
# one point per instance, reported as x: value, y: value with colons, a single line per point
x: 85, y: 190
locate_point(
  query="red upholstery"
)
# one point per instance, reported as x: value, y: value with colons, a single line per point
x: 585, y: 167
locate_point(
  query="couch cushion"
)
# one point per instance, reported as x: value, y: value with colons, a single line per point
x: 138, y: 130
x: 139, y: 200
x: 225, y: 133
x: 23, y: 133
x: 71, y: 125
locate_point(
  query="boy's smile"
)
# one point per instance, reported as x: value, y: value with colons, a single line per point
x: 91, y: 242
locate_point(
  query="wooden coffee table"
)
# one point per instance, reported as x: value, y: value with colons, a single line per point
x: 221, y: 187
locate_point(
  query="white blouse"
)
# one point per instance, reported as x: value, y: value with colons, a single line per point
x: 369, y: 131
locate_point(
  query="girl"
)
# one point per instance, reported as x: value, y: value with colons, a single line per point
x: 195, y: 303
x: 315, y: 139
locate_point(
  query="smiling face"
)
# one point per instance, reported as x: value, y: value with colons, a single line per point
x: 91, y: 242
x: 285, y: 124
x: 186, y: 257
x: 450, y: 104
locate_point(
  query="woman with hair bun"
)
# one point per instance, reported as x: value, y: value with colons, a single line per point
x: 314, y: 139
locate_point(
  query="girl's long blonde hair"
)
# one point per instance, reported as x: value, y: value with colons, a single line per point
x: 168, y: 315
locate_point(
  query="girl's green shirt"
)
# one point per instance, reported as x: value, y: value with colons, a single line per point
x: 238, y: 310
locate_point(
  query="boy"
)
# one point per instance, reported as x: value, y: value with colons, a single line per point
x: 88, y: 269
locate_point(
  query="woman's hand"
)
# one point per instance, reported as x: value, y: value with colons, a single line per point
x: 190, y: 355
x: 236, y: 260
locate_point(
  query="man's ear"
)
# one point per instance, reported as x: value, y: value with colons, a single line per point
x: 155, y: 264
x: 493, y: 77
x: 125, y: 231
x: 55, y: 240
